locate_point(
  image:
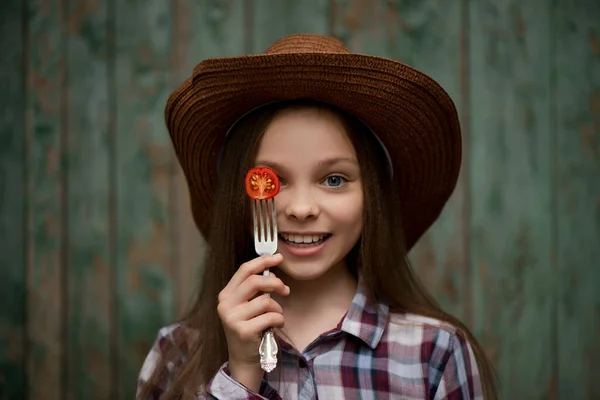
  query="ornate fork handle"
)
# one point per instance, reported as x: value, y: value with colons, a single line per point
x: 268, y: 351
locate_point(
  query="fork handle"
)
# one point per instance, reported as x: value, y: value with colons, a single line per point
x: 268, y: 351
x: 266, y: 272
x: 268, y: 345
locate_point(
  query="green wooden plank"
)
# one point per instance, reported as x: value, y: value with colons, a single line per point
x: 427, y: 36
x: 146, y: 275
x: 89, y: 285
x: 45, y: 191
x: 577, y: 192
x: 272, y: 19
x: 13, y: 377
x: 203, y: 29
x: 510, y: 190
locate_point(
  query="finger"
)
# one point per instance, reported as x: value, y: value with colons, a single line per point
x: 262, y: 322
x: 250, y: 268
x: 234, y: 314
x: 258, y: 294
x: 257, y: 284
x: 253, y: 267
x: 260, y: 305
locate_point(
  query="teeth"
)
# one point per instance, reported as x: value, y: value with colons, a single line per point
x: 302, y: 239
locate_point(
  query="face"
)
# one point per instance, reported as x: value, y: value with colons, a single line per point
x: 320, y: 204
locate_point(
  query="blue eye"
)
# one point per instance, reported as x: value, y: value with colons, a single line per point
x: 335, y: 181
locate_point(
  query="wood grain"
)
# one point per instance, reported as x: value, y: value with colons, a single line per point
x: 45, y: 139
x: 13, y: 374
x: 577, y: 193
x: 90, y: 293
x: 146, y: 275
x: 202, y: 30
x: 272, y: 20
x: 510, y: 181
x: 427, y: 36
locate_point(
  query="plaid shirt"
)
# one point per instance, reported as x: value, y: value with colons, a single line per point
x: 372, y: 354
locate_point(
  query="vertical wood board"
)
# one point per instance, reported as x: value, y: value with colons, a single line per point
x: 577, y: 189
x: 13, y: 374
x: 271, y: 20
x: 510, y: 190
x: 45, y: 137
x: 90, y: 289
x: 201, y: 30
x: 145, y: 273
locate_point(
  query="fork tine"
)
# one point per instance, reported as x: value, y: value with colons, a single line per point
x: 255, y: 219
x: 268, y: 224
x: 261, y: 221
x: 265, y: 219
x: 273, y: 220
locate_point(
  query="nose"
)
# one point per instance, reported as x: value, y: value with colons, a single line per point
x: 301, y: 205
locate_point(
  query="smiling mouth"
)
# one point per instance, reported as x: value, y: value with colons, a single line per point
x: 304, y: 241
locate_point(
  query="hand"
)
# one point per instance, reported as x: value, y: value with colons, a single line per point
x: 245, y: 315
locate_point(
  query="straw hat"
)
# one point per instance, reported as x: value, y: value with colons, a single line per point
x: 411, y: 114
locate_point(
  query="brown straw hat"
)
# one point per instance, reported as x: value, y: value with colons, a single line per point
x: 411, y: 114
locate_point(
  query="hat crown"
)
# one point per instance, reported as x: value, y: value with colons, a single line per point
x: 307, y: 43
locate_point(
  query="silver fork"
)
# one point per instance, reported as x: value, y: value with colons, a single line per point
x: 265, y: 242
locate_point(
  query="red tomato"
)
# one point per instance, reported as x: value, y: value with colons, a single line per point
x: 261, y: 183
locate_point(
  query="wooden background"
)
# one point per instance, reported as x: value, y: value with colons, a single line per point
x: 97, y: 250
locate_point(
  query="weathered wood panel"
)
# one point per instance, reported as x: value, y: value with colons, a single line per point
x: 426, y: 35
x: 201, y: 30
x: 45, y: 139
x: 510, y: 189
x: 146, y: 274
x: 577, y: 190
x: 13, y: 376
x: 272, y: 20
x: 90, y: 288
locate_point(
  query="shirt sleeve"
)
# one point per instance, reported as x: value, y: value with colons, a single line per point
x: 454, y: 375
x: 222, y: 386
x: 150, y: 364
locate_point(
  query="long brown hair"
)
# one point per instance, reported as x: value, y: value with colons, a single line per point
x: 380, y: 255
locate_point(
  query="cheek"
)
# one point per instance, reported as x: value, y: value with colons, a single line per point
x: 348, y: 212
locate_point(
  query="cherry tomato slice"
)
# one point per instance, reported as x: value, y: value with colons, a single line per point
x: 261, y: 183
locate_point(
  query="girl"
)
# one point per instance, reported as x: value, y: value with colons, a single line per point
x: 368, y: 152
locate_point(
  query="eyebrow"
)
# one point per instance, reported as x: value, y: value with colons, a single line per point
x: 323, y: 163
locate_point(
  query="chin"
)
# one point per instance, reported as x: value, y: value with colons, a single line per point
x: 304, y: 271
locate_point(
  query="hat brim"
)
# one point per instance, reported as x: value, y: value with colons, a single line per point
x: 412, y: 115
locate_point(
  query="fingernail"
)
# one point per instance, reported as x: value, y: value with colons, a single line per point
x: 277, y: 256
